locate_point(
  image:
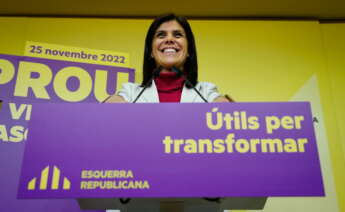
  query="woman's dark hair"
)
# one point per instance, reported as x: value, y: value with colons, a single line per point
x: 191, y: 64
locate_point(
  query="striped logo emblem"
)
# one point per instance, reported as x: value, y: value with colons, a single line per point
x: 57, y: 181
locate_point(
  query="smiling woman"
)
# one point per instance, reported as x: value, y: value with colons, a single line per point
x: 170, y: 67
x: 170, y: 46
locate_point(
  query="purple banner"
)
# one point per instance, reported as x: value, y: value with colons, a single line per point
x: 26, y: 80
x: 33, y: 79
x: 171, y: 150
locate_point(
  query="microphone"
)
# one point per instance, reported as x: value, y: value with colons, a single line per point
x: 106, y: 99
x: 179, y: 74
x: 155, y: 74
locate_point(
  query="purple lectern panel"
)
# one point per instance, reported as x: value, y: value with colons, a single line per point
x: 171, y: 150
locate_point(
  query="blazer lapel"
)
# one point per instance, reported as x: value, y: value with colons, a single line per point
x: 188, y: 95
x: 151, y: 94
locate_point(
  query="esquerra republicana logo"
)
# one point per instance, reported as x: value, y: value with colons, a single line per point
x: 57, y: 182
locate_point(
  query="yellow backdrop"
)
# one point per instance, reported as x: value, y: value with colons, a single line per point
x: 249, y: 60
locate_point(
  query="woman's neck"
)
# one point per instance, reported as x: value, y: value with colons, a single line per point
x: 169, y: 86
x: 167, y: 70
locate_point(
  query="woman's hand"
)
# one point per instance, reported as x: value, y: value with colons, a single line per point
x: 225, y: 98
x: 221, y: 99
x: 116, y: 99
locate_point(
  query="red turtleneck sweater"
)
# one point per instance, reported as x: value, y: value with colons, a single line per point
x: 169, y: 87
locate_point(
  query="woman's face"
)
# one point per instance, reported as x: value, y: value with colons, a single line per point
x: 169, y: 45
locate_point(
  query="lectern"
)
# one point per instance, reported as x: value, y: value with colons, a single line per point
x: 162, y: 157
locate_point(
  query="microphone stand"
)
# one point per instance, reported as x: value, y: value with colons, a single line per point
x: 155, y: 74
x: 179, y: 74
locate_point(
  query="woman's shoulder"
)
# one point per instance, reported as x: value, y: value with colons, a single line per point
x: 206, y: 85
x: 211, y: 90
x: 129, y: 90
x: 125, y: 93
x: 130, y: 86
